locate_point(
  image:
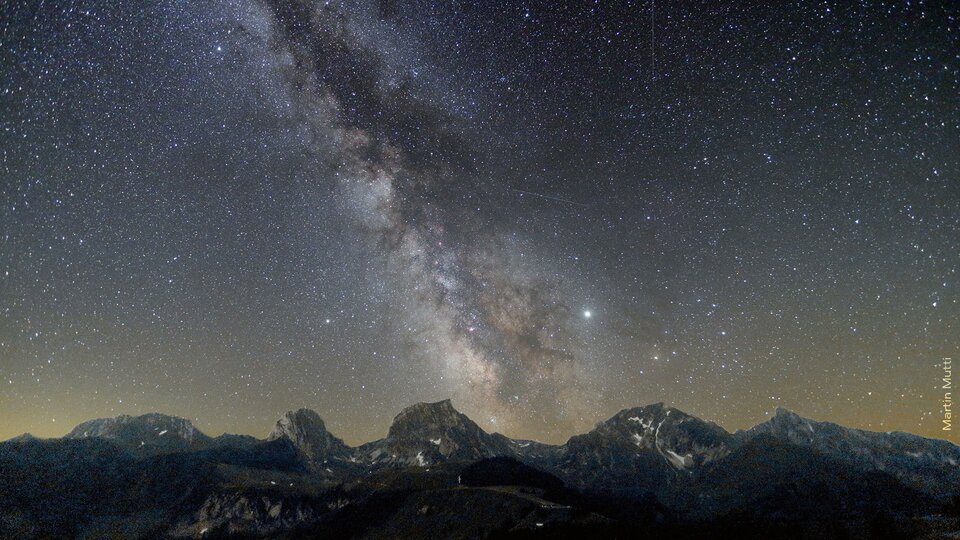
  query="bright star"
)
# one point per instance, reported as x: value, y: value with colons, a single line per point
x: 587, y: 314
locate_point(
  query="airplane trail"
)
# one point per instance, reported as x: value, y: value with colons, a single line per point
x: 549, y: 197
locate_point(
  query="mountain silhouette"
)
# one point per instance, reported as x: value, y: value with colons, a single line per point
x: 652, y: 470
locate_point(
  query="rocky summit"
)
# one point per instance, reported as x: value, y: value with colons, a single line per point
x: 646, y: 471
x: 428, y: 433
x: 306, y: 430
x: 146, y: 434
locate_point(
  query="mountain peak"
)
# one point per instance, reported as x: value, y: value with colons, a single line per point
x: 681, y: 441
x: 440, y: 415
x: 444, y: 406
x: 647, y: 415
x: 109, y: 427
x: 307, y: 431
x: 300, y: 417
x: 785, y: 412
x: 148, y: 433
x: 429, y: 432
x: 784, y: 420
x: 900, y: 454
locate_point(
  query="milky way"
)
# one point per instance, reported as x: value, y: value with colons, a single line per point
x: 546, y: 211
x: 406, y: 169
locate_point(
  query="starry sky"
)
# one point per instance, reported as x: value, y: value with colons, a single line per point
x: 547, y: 211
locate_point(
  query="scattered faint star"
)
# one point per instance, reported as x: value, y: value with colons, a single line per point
x: 181, y: 227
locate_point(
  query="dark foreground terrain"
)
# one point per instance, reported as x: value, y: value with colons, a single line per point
x: 648, y: 472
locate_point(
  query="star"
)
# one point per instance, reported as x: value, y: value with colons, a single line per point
x: 330, y: 195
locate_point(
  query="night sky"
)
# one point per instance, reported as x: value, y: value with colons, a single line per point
x: 545, y: 211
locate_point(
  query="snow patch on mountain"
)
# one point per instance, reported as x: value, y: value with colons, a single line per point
x: 678, y: 461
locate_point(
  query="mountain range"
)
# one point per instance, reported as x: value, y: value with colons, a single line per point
x: 652, y: 470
